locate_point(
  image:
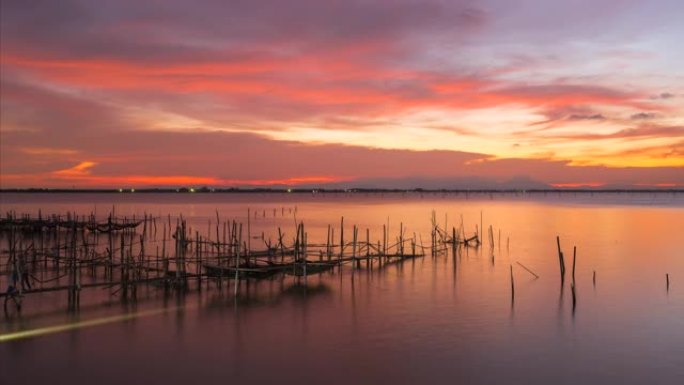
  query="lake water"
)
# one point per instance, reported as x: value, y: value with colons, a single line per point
x: 443, y: 319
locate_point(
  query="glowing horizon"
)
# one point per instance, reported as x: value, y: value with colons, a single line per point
x: 226, y: 94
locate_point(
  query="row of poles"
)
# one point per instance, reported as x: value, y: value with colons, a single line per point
x: 73, y: 244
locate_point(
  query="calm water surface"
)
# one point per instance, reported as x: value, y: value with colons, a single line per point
x: 428, y: 320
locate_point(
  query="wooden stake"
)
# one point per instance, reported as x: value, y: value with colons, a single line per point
x: 249, y: 236
x: 560, y: 259
x: 574, y: 257
x: 528, y: 270
x: 512, y: 287
x: 574, y: 298
x: 667, y: 281
x: 342, y: 238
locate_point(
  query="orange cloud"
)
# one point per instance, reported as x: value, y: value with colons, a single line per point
x: 281, y: 93
x: 80, y: 170
x: 82, y: 175
x: 334, y: 79
x: 48, y: 151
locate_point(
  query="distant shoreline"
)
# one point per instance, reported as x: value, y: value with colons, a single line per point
x: 337, y: 191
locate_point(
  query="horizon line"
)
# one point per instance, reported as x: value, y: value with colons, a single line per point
x: 299, y: 190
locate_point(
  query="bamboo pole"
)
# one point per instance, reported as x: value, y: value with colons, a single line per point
x: 574, y: 297
x: 574, y: 257
x: 512, y: 287
x: 327, y: 243
x: 304, y: 250
x: 667, y: 281
x: 367, y: 245
x: 401, y: 239
x: 342, y: 238
x: 560, y: 260
x: 237, y: 259
x: 481, y: 229
x: 249, y: 236
x: 384, y: 240
x: 528, y: 270
x: 354, y: 234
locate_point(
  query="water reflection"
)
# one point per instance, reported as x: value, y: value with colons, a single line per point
x: 435, y: 319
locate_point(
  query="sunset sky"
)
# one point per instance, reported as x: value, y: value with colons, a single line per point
x: 132, y: 93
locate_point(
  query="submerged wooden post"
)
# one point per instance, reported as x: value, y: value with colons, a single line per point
x: 433, y: 241
x: 512, y: 287
x: 574, y: 257
x: 237, y: 260
x: 282, y: 247
x: 342, y: 238
x: 401, y: 239
x: 224, y: 242
x: 384, y: 240
x: 574, y: 298
x: 491, y: 237
x: 144, y: 223
x: 198, y: 264
x: 354, y: 235
x: 667, y: 281
x: 387, y: 239
x: 123, y: 266
x: 111, y: 248
x: 143, y: 261
x: 367, y: 244
x: 528, y: 270
x: 332, y: 242
x: 304, y: 250
x: 433, y: 234
x: 164, y: 260
x: 218, y: 238
x: 327, y: 244
x: 249, y: 236
x: 560, y: 260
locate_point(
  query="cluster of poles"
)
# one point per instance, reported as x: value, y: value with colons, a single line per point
x: 71, y: 252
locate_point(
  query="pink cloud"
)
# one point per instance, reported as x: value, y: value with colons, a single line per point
x: 79, y: 106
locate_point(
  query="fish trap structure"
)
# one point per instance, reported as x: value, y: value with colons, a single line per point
x: 71, y: 253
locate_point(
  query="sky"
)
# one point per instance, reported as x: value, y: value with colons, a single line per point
x: 434, y: 94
